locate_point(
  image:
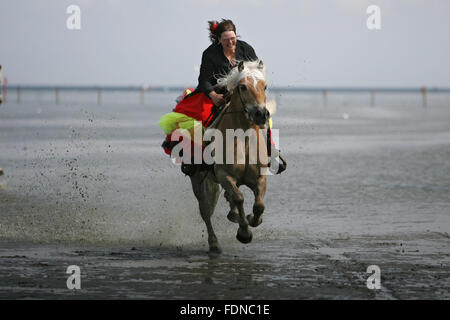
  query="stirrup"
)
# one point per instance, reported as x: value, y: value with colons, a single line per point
x: 281, y: 165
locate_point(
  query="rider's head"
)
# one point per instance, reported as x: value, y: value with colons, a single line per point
x: 223, y: 33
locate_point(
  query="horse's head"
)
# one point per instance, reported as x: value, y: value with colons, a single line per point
x: 251, y: 88
x: 248, y: 84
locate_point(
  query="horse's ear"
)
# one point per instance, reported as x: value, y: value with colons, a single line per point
x: 261, y: 64
x: 241, y: 66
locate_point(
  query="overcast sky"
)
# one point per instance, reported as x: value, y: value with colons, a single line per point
x: 303, y: 43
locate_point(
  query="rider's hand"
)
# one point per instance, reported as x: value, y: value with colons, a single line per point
x: 217, y: 98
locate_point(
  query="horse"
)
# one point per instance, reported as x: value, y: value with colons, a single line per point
x: 246, y: 110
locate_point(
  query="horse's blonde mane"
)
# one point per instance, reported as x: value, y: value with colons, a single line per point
x: 251, y: 69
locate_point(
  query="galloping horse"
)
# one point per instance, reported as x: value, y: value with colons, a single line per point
x: 246, y: 110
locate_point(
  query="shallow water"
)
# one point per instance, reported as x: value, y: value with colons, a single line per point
x: 89, y: 185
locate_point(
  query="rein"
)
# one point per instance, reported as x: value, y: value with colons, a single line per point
x: 223, y: 112
x: 244, y: 108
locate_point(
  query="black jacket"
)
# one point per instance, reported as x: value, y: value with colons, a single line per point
x: 214, y: 63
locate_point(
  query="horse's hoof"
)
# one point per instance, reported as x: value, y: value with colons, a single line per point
x: 252, y: 221
x: 233, y: 217
x: 215, y: 250
x: 244, y: 236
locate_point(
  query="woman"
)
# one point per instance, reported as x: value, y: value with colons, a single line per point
x: 217, y: 60
x: 220, y: 57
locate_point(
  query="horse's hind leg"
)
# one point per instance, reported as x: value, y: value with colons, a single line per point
x: 207, y: 193
x: 259, y: 190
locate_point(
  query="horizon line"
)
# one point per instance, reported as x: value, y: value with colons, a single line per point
x: 165, y: 88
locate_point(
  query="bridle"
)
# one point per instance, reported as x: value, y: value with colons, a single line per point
x: 223, y: 108
x: 244, y: 109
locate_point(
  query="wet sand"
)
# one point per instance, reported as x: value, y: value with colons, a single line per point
x: 88, y: 185
x: 313, y: 271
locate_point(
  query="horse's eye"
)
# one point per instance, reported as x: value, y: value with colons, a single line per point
x: 265, y: 87
x: 242, y: 87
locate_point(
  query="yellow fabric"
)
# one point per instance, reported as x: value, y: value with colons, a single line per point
x: 174, y: 120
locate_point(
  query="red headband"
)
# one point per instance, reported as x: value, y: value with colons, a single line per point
x: 214, y: 27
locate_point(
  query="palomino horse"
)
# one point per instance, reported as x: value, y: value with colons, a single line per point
x: 246, y: 110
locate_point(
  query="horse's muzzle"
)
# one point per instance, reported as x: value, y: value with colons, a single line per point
x: 259, y: 115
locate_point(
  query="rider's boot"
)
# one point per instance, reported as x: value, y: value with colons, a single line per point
x: 189, y: 168
x: 192, y: 168
x: 281, y: 163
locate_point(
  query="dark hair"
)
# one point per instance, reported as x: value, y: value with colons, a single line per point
x: 216, y: 29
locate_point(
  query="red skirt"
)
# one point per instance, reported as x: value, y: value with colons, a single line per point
x: 197, y: 106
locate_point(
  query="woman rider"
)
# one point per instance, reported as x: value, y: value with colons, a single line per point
x: 221, y: 56
x: 218, y: 59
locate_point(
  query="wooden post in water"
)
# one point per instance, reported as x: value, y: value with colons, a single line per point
x: 142, y: 95
x: 372, y: 97
x: 277, y: 97
x: 1, y: 98
x: 99, y: 95
x: 325, y: 97
x: 424, y: 96
x: 56, y: 95
x: 5, y: 89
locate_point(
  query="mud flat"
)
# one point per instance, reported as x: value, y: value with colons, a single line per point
x: 89, y: 185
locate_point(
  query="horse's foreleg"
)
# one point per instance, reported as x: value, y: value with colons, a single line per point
x: 207, y: 194
x: 259, y: 190
x: 244, y: 234
x: 233, y: 215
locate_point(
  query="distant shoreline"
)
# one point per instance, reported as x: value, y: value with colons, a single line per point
x: 150, y: 88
